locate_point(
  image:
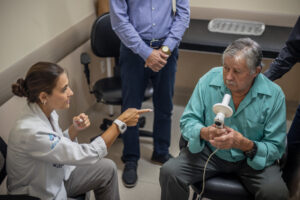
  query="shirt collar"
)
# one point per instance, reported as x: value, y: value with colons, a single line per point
x: 35, y: 109
x: 260, y: 86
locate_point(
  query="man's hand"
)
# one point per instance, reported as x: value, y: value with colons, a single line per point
x: 157, y: 60
x: 210, y: 132
x: 233, y: 139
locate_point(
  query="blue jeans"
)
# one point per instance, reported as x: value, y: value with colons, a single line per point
x: 135, y: 78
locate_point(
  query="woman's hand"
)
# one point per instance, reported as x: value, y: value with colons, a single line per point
x: 131, y: 116
x: 81, y: 122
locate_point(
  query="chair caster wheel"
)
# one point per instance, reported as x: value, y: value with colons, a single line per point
x: 105, y: 124
x: 142, y: 121
x: 103, y: 127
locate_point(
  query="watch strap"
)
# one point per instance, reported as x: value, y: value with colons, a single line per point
x: 121, y: 125
x: 252, y: 152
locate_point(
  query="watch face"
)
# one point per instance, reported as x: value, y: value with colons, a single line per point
x: 166, y: 50
x: 123, y: 126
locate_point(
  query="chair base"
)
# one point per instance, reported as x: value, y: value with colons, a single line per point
x: 144, y: 133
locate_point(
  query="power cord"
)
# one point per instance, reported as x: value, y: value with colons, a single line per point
x: 204, y: 171
x: 222, y: 111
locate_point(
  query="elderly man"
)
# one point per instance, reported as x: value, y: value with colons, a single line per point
x: 252, y: 139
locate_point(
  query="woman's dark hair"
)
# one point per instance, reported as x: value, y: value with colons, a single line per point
x: 41, y: 77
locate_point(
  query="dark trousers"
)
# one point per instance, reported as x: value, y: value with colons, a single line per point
x: 291, y: 171
x: 294, y: 132
x: 178, y: 173
x: 135, y: 78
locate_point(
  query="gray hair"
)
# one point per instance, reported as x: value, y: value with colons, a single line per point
x: 249, y: 49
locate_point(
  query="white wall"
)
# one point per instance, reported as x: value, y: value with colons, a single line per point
x: 80, y: 101
x: 39, y: 30
x: 270, y: 12
x: 28, y: 24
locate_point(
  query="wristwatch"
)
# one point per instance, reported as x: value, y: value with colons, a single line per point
x: 121, y: 125
x: 166, y: 50
x: 251, y: 153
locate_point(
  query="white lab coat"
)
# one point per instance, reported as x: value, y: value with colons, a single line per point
x: 40, y: 157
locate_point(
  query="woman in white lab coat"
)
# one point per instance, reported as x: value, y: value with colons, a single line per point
x: 43, y: 161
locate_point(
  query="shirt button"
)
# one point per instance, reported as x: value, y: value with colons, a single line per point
x: 153, y: 24
x: 153, y: 8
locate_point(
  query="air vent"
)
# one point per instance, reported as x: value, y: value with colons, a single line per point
x: 232, y: 26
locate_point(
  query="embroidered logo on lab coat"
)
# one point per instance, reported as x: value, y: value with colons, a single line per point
x: 54, y: 140
x: 57, y: 165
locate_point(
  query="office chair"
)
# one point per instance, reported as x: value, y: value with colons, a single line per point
x: 105, y: 43
x: 224, y: 186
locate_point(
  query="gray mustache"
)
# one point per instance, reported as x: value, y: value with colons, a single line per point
x: 230, y: 82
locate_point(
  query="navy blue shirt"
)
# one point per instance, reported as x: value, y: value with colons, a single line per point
x: 288, y: 56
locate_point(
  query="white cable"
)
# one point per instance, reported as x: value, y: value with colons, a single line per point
x: 203, y: 179
x: 222, y: 111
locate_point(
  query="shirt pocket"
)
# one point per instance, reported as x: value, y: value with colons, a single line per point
x: 253, y: 130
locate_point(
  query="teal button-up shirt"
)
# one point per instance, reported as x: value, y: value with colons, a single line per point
x: 260, y: 117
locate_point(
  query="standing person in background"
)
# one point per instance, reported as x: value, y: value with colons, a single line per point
x: 43, y: 161
x: 150, y: 34
x: 287, y: 58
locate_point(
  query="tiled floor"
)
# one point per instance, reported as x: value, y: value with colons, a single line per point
x: 148, y: 185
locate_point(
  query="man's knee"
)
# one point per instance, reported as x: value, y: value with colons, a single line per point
x: 167, y: 171
x: 273, y: 191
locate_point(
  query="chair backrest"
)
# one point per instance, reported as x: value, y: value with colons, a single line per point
x: 3, y: 150
x: 104, y: 41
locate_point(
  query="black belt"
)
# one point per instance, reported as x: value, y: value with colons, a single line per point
x: 155, y: 43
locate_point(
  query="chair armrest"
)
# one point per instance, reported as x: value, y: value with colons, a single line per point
x: 182, y: 142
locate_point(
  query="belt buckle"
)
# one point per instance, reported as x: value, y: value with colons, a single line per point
x: 153, y: 41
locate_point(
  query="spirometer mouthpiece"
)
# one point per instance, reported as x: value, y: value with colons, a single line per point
x: 222, y: 110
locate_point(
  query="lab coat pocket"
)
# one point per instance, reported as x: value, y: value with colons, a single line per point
x: 253, y: 130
